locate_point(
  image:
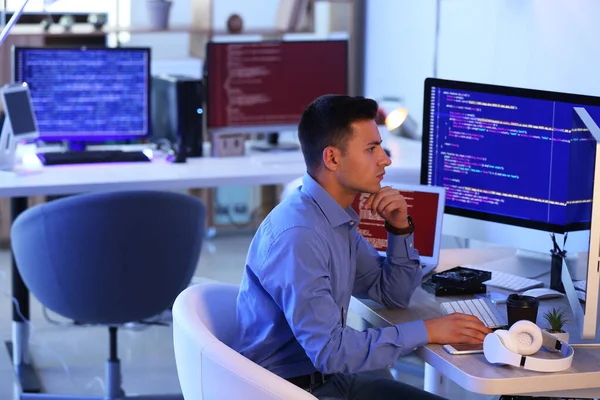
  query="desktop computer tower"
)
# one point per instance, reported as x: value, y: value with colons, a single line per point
x: 177, y: 113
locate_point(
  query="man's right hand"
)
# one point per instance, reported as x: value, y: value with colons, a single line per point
x: 456, y: 328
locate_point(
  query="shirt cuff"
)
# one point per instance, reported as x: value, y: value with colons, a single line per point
x: 413, y: 335
x: 402, y: 247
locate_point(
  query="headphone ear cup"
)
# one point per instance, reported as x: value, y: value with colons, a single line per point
x: 527, y: 337
x: 506, y: 339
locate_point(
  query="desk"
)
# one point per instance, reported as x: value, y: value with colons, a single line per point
x: 473, y: 372
x: 207, y: 172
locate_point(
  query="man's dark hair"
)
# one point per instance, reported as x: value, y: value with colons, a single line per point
x: 327, y: 122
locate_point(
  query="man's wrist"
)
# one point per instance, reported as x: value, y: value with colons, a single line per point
x: 401, y: 231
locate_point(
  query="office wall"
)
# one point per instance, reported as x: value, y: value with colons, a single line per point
x: 540, y: 44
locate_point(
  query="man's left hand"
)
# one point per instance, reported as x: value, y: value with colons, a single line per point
x: 390, y: 205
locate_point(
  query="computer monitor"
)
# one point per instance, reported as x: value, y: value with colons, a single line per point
x: 87, y: 94
x: 19, y: 123
x: 263, y: 87
x: 426, y: 208
x: 584, y: 152
x: 502, y: 154
x: 20, y: 118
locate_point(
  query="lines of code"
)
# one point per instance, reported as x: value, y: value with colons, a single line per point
x: 271, y: 83
x: 509, y: 156
x: 423, y: 209
x: 87, y: 93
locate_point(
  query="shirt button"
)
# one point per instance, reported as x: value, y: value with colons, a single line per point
x: 351, y: 223
x: 410, y: 245
x: 415, y: 349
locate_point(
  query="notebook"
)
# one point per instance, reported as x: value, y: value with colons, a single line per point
x: 425, y: 207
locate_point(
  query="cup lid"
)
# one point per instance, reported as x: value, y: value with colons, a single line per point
x: 518, y: 300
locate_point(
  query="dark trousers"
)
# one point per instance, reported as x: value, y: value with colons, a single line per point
x: 368, y: 387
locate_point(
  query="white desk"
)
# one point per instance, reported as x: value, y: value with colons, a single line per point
x: 473, y: 372
x: 206, y: 172
x: 203, y: 172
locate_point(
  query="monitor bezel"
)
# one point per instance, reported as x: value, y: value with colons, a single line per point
x: 91, y: 138
x: 258, y: 128
x: 17, y: 88
x: 441, y: 192
x: 586, y: 316
x: 576, y: 99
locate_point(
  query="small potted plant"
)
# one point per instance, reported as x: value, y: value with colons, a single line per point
x: 556, y: 319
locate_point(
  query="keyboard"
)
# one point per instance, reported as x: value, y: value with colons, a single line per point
x: 580, y: 285
x: 88, y: 157
x: 506, y: 281
x: 477, y: 307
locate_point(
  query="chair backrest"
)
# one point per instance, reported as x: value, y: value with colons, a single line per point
x: 110, y: 258
x: 204, y: 319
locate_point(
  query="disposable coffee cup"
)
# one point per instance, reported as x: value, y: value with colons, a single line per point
x: 519, y: 307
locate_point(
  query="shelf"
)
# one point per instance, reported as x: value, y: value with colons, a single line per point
x: 87, y: 29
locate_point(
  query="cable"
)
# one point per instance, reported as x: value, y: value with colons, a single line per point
x: 100, y: 382
x: 145, y: 324
x: 32, y: 328
x: 55, y: 322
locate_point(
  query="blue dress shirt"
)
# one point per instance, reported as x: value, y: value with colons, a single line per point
x: 305, y: 261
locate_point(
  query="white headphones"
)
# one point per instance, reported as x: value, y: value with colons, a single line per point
x: 523, y: 339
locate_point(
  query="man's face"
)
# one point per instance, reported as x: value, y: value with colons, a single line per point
x: 362, y: 166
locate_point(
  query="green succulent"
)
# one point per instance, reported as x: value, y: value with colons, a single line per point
x: 556, y: 319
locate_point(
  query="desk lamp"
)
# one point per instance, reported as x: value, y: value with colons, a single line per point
x: 13, y: 20
x: 399, y: 123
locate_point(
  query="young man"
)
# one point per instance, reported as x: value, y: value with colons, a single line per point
x: 307, y: 259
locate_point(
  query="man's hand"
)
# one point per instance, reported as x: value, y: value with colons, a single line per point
x: 456, y: 328
x: 390, y: 205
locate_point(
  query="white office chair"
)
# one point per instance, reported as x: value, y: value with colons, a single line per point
x: 204, y: 321
x: 290, y: 187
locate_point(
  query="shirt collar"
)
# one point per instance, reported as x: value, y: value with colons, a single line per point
x: 334, y: 213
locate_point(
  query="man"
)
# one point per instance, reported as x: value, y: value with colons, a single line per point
x: 307, y: 259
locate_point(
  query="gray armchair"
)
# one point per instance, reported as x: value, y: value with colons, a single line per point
x: 109, y: 258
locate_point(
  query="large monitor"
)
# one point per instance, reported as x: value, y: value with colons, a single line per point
x: 502, y: 154
x: 264, y: 86
x: 87, y: 94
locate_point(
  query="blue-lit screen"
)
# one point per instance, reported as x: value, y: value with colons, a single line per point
x: 505, y: 156
x: 87, y: 93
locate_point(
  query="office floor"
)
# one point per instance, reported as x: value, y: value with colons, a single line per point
x: 70, y: 360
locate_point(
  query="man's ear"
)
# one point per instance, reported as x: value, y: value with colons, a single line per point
x: 331, y: 158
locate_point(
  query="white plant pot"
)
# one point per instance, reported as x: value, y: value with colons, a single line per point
x: 563, y: 336
x: 158, y: 13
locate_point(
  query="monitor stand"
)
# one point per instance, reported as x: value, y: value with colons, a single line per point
x: 75, y: 146
x: 528, y: 264
x: 8, y: 146
x: 272, y: 144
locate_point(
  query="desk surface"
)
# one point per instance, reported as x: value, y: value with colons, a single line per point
x: 473, y: 372
x: 204, y: 172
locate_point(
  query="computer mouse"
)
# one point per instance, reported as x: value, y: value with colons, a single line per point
x: 543, y: 293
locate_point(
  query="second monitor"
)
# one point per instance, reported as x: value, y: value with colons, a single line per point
x: 263, y: 87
